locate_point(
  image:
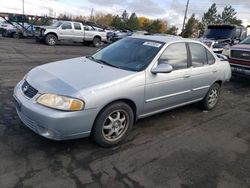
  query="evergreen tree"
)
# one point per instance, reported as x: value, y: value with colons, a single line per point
x: 133, y: 22
x: 191, y: 27
x: 228, y: 16
x: 154, y: 27
x: 209, y: 17
x: 117, y: 22
x: 125, y: 16
x: 172, y: 30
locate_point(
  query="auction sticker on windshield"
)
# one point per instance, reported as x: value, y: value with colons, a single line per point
x: 152, y: 44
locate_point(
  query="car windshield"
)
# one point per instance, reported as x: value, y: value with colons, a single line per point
x: 246, y: 41
x: 130, y: 53
x: 219, y: 33
x: 57, y: 24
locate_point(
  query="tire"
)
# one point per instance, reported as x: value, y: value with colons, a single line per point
x: 15, y: 35
x: 97, y: 42
x: 51, y: 39
x: 212, y: 97
x: 113, y: 124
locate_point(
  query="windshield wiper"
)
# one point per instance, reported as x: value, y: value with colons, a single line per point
x: 106, y: 63
x: 102, y: 61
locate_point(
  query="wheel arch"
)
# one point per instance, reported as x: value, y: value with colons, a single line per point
x: 97, y: 36
x: 129, y: 102
x: 219, y: 82
x: 52, y: 33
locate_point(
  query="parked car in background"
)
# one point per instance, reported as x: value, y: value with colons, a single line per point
x: 121, y: 34
x: 70, y: 31
x: 219, y: 36
x: 104, y: 94
x: 8, y: 30
x: 239, y: 58
x: 16, y: 30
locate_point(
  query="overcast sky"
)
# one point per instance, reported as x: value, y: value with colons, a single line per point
x: 171, y: 10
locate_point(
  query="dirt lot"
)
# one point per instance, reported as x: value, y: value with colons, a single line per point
x: 186, y: 147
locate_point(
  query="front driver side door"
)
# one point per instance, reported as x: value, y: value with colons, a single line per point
x: 167, y: 90
x: 66, y: 31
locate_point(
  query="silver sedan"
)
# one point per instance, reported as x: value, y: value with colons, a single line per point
x: 104, y: 94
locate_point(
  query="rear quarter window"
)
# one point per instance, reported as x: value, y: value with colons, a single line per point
x: 210, y: 58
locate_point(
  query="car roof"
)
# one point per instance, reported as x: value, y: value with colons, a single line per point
x: 165, y: 39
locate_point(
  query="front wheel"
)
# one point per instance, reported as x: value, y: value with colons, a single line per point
x: 212, y: 97
x: 51, y: 40
x: 97, y: 42
x: 113, y: 124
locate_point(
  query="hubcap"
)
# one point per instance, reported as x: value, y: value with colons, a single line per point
x: 51, y: 40
x: 97, y: 43
x: 115, y: 125
x: 213, y: 97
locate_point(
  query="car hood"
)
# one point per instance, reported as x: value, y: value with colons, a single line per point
x: 68, y: 77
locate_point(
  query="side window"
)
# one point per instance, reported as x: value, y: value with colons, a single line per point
x: 238, y: 33
x: 67, y: 25
x: 243, y: 35
x: 77, y: 26
x: 86, y: 28
x: 176, y: 55
x: 210, y: 58
x: 198, y: 54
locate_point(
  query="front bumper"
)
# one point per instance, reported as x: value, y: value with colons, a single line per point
x: 240, y: 67
x: 50, y: 123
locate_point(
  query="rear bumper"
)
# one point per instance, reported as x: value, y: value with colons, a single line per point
x: 50, y: 123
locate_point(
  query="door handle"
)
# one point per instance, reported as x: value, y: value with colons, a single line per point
x: 186, y: 76
x: 215, y: 70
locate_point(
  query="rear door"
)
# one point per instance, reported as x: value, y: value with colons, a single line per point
x: 203, y: 70
x: 78, y: 32
x: 89, y: 33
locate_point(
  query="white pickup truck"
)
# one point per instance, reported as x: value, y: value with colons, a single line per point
x: 70, y: 31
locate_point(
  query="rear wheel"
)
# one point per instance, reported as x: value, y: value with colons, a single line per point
x: 113, y: 124
x: 212, y: 97
x: 97, y: 42
x: 51, y: 39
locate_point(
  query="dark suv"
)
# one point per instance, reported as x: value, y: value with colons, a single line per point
x: 239, y: 58
x: 219, y: 36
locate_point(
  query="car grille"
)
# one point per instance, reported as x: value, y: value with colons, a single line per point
x: 240, y: 54
x: 28, y: 90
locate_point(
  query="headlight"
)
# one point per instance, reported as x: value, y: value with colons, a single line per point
x: 60, y: 102
x: 226, y: 52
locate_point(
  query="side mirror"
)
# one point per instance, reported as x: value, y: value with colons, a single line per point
x: 162, y: 68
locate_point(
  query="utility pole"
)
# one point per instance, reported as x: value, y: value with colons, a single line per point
x: 91, y: 16
x: 23, y: 13
x: 185, y: 17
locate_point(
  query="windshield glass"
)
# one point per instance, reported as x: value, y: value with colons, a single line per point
x: 57, y: 24
x: 219, y: 33
x: 246, y: 41
x: 130, y: 53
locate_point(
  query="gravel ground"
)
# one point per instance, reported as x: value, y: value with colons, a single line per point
x: 186, y: 147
